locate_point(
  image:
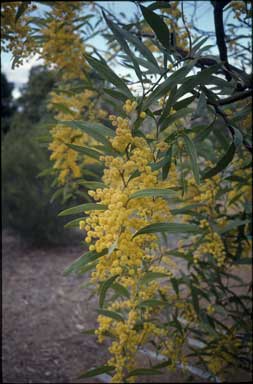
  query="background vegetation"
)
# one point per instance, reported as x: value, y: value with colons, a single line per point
x: 26, y: 205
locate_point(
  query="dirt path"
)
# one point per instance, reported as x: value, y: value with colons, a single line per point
x: 43, y: 315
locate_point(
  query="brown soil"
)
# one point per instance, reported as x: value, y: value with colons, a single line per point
x: 44, y: 313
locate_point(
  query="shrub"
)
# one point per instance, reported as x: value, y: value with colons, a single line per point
x: 25, y: 200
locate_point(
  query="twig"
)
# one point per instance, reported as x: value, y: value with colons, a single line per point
x: 187, y: 29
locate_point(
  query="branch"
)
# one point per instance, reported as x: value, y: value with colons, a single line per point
x: 236, y: 97
x: 219, y: 31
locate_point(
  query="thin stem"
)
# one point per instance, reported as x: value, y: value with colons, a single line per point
x: 187, y: 29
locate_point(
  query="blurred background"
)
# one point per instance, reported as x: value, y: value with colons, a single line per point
x: 27, y: 206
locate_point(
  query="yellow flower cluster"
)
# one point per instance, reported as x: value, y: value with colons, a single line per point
x: 129, y: 106
x: 205, y: 193
x: 70, y: 106
x: 113, y: 229
x: 212, y: 245
x: 16, y: 34
x: 223, y: 351
x: 187, y: 311
x: 173, y: 349
x: 175, y: 14
x: 77, y: 105
x: 63, y: 46
x: 66, y: 159
x: 239, y: 8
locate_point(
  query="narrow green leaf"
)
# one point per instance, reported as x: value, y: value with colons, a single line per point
x: 83, y: 260
x: 191, y: 150
x: 143, y: 372
x: 149, y: 276
x: 222, y: 163
x: 149, y: 65
x: 186, y: 209
x: 44, y: 139
x: 201, y: 109
x: 232, y: 225
x: 122, y: 41
x: 200, y: 78
x: 74, y: 223
x: 183, y: 103
x: 175, y: 116
x: 91, y: 184
x: 163, y: 364
x: 89, y: 331
x: 105, y: 72
x: 159, y: 5
x: 238, y: 137
x: 198, y: 45
x: 158, y: 25
x: 151, y: 303
x: 141, y: 47
x: 56, y: 194
x: 96, y: 371
x: 164, y: 87
x: 168, y: 227
x: 115, y: 94
x: 169, y: 104
x: 166, y: 166
x: 203, y: 131
x: 174, y: 283
x: 121, y: 290
x: 82, y: 270
x: 112, y: 314
x: 64, y: 108
x: 104, y: 287
x: 221, y: 84
x: 87, y: 151
x: 153, y: 193
x: 83, y: 208
x: 21, y: 10
x: 195, y: 300
x: 97, y: 131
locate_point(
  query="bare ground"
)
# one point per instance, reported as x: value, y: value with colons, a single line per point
x: 44, y: 313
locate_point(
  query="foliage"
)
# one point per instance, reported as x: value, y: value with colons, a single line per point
x: 7, y: 104
x: 34, y: 95
x: 173, y: 159
x: 24, y: 194
x: 25, y: 197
